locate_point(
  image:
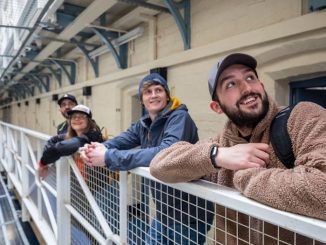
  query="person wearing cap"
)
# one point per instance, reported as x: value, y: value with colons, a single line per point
x: 66, y: 102
x: 166, y: 122
x: 81, y: 130
x: 242, y: 156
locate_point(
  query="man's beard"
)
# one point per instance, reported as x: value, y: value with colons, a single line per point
x: 247, y: 119
x: 65, y: 114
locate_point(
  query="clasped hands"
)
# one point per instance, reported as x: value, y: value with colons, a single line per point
x: 93, y: 154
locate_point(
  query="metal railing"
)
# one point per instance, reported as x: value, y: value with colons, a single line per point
x: 77, y: 204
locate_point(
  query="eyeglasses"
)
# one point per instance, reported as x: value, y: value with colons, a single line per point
x: 78, y: 116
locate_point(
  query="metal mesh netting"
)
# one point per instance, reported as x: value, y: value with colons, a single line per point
x: 104, y: 187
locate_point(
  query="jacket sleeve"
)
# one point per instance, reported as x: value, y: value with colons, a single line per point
x: 94, y: 136
x: 178, y: 127
x: 302, y: 189
x: 70, y: 146
x: 183, y: 162
x: 58, y: 147
x: 126, y: 140
x: 50, y: 153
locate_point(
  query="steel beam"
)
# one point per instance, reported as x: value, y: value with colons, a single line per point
x: 8, y: 56
x: 27, y: 88
x: 120, y: 58
x: 17, y: 27
x: 31, y: 54
x: 43, y: 80
x: 183, y: 23
x: 62, y: 65
x: 93, y: 11
x: 47, y: 64
x: 144, y: 4
x: 31, y: 80
x: 94, y: 61
x: 19, y: 91
x: 12, y: 93
x: 38, y: 84
x: 57, y: 74
x: 64, y: 17
x: 66, y: 41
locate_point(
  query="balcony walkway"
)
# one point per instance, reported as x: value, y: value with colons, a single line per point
x: 74, y: 205
x: 12, y: 231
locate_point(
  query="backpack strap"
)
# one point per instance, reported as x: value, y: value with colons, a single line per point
x: 280, y: 138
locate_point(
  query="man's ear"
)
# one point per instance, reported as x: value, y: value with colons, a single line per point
x: 215, y: 106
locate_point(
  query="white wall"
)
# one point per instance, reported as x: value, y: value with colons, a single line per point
x: 286, y: 44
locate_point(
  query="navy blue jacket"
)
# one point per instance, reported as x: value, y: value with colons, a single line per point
x: 57, y: 146
x: 173, y: 124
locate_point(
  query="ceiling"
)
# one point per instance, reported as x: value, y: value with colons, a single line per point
x: 40, y: 40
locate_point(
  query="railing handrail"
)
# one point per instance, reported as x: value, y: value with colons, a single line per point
x: 27, y: 131
x: 229, y: 198
x: 233, y: 199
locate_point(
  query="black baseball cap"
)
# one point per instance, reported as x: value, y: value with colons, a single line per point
x: 232, y: 59
x: 67, y: 97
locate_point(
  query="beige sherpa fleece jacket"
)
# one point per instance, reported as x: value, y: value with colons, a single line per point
x: 300, y: 190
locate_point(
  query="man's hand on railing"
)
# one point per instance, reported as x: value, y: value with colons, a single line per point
x: 43, y: 170
x: 243, y: 156
x: 93, y: 154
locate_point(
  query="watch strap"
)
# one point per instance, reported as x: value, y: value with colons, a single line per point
x: 213, y: 154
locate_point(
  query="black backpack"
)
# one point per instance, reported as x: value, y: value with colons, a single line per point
x: 280, y: 138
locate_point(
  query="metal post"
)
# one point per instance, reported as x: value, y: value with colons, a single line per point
x: 2, y: 145
x: 25, y: 175
x: 63, y: 198
x: 39, y: 185
x: 123, y: 194
x: 9, y: 159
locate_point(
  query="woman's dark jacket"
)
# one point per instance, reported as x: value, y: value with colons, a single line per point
x: 58, y: 146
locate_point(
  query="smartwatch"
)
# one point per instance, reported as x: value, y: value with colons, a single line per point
x: 213, y: 155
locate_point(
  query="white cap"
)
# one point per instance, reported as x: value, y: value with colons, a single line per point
x: 81, y: 108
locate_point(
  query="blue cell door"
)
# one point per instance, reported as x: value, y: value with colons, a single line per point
x: 313, y: 90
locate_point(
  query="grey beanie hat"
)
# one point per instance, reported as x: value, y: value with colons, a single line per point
x: 153, y: 77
